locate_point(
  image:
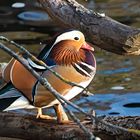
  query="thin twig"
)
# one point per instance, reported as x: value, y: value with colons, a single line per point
x: 41, y: 63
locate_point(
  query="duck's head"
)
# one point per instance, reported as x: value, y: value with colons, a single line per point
x: 67, y: 48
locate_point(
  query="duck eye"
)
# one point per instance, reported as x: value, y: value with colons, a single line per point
x: 76, y: 38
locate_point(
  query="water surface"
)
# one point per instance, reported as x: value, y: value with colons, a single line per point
x: 116, y: 86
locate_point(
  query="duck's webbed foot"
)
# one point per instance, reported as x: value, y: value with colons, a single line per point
x: 41, y: 116
x: 62, y: 117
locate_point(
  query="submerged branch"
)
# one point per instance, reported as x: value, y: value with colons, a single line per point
x: 102, y: 31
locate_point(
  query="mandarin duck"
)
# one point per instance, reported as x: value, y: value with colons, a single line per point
x: 69, y: 55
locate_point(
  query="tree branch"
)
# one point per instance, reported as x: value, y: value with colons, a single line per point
x: 102, y: 31
x: 28, y: 127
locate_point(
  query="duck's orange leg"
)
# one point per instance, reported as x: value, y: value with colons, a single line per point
x: 62, y: 117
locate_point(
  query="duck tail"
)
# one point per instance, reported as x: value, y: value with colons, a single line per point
x: 11, y: 98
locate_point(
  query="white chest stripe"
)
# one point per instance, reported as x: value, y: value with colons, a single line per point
x: 89, y: 66
x: 82, y: 70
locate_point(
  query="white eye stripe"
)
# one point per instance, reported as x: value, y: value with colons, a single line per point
x: 69, y: 36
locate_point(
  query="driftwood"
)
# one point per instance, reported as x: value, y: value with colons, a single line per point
x: 102, y: 31
x: 28, y: 127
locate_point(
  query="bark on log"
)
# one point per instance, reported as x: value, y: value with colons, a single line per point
x: 28, y: 127
x: 104, y: 32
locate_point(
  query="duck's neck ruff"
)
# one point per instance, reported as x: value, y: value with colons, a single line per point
x: 59, y: 38
x: 66, y: 56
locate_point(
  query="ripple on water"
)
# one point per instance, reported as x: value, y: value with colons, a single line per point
x: 116, y: 71
x: 117, y: 88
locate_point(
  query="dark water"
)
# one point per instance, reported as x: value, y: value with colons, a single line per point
x: 116, y: 86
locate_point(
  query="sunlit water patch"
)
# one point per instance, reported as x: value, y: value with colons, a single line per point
x: 18, y: 5
x: 112, y: 104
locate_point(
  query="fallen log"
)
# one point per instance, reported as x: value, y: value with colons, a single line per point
x: 28, y: 127
x: 102, y: 31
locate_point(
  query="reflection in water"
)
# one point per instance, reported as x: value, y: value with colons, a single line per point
x: 116, y: 85
x: 33, y: 16
x: 115, y: 71
x: 125, y: 11
x: 18, y: 5
x: 132, y: 105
